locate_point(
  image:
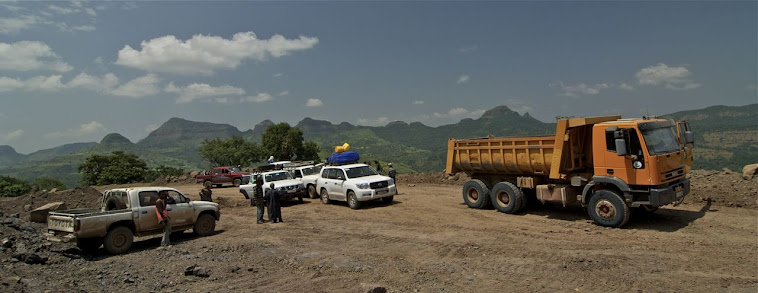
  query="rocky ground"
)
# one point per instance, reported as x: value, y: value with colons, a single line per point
x: 427, y: 240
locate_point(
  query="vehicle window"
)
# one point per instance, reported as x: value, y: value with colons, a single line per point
x: 660, y: 140
x: 681, y: 133
x: 360, y: 171
x: 217, y: 171
x: 284, y: 175
x: 610, y: 141
x: 234, y: 169
x: 245, y: 180
x: 147, y: 198
x: 311, y: 170
x: 176, y: 197
x: 225, y: 171
x: 325, y: 173
x: 339, y: 174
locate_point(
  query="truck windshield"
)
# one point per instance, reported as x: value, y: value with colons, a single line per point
x: 660, y: 140
x: 361, y: 171
x: 311, y: 170
x: 284, y: 175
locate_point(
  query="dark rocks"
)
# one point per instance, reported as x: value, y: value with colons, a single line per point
x: 30, y: 258
x: 196, y: 271
x: 377, y: 289
x: 6, y: 242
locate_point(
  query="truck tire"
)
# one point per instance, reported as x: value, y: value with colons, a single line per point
x: 476, y: 194
x: 89, y: 245
x: 608, y: 209
x: 118, y: 240
x: 388, y: 199
x: 205, y: 225
x: 352, y: 201
x: 237, y: 182
x: 113, y: 202
x: 208, y: 184
x: 324, y: 196
x: 312, y: 191
x: 244, y: 193
x: 507, y: 198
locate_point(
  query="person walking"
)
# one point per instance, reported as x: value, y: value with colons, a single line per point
x: 392, y: 173
x: 206, y: 194
x: 378, y: 167
x: 258, y: 199
x: 274, y: 205
x: 163, y: 218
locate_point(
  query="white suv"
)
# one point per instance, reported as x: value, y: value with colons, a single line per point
x: 354, y: 183
x: 290, y: 187
x: 308, y: 175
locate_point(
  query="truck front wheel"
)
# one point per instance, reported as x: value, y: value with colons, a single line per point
x: 507, y: 198
x: 352, y: 201
x: 312, y: 191
x: 608, y: 209
x: 476, y: 194
x: 118, y: 240
x: 237, y: 182
x: 89, y: 245
x: 205, y: 225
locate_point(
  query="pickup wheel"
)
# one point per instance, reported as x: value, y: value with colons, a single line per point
x: 237, y: 182
x: 89, y: 245
x: 208, y: 184
x: 388, y: 199
x: 324, y: 196
x: 205, y: 225
x: 118, y: 240
x: 507, y: 198
x: 352, y: 201
x: 476, y: 194
x: 312, y: 191
x: 608, y: 209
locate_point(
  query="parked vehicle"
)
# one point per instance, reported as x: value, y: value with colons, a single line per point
x: 282, y: 179
x: 127, y: 212
x: 307, y: 173
x: 608, y: 164
x: 354, y: 183
x: 220, y: 175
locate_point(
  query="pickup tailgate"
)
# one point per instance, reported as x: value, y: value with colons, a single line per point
x: 62, y: 223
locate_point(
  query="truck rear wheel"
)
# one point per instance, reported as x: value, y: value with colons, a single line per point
x: 476, y: 194
x: 608, y: 209
x: 118, y: 240
x: 205, y: 225
x: 89, y: 245
x: 507, y: 198
x: 312, y: 191
x: 208, y: 184
x: 237, y: 182
x: 324, y: 196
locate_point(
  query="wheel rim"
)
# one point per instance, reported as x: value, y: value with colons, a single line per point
x: 205, y: 225
x: 324, y: 197
x: 605, y: 209
x: 503, y: 198
x: 472, y: 194
x: 352, y: 200
x: 119, y: 240
x: 311, y: 191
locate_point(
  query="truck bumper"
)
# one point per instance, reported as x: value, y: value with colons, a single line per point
x: 669, y: 194
x: 372, y: 194
x: 296, y: 194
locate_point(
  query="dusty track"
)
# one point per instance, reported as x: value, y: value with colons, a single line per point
x: 428, y: 241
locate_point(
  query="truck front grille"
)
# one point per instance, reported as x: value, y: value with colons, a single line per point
x: 673, y: 175
x: 379, y: 184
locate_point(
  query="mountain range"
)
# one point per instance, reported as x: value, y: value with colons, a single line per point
x: 726, y: 137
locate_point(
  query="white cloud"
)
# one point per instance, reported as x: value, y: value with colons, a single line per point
x: 30, y: 55
x: 11, y: 135
x: 314, y: 103
x: 278, y: 75
x: 16, y: 24
x: 457, y: 112
x: 139, y: 87
x: 151, y: 127
x: 37, y: 83
x: 259, y: 98
x: 518, y: 106
x: 671, y: 77
x: 52, y: 15
x: 206, y: 54
x: 373, y: 122
x: 583, y: 89
x: 283, y: 93
x: 418, y: 102
x: 99, y: 60
x: 463, y: 79
x: 468, y: 49
x: 84, y: 129
x: 625, y: 86
x: 104, y: 84
x: 197, y: 91
x: 61, y: 10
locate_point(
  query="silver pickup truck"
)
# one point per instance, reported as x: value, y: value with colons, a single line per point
x: 127, y: 212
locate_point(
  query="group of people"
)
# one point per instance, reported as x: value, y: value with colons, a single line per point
x: 270, y: 199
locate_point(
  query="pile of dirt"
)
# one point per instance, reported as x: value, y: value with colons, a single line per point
x: 433, y: 178
x: 76, y: 198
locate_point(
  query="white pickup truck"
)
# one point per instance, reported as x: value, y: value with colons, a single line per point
x: 308, y: 175
x: 127, y: 212
x: 282, y: 179
x: 354, y: 183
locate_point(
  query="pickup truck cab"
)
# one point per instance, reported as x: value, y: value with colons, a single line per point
x: 308, y: 175
x: 354, y: 183
x: 127, y: 212
x: 220, y: 175
x: 282, y: 179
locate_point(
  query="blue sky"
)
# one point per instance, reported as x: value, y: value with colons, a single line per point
x: 76, y: 71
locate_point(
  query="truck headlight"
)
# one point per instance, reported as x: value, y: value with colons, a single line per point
x: 637, y: 165
x: 362, y: 185
x: 392, y: 182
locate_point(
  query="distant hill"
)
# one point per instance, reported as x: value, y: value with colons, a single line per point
x: 726, y: 137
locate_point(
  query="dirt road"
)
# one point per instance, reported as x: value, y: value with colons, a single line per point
x: 426, y: 241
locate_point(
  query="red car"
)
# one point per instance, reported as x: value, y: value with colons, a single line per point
x: 220, y: 175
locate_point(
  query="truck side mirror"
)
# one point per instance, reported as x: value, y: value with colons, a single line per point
x: 621, y: 147
x: 689, y: 137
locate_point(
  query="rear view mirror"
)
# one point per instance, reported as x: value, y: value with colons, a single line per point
x: 621, y: 147
x: 689, y: 137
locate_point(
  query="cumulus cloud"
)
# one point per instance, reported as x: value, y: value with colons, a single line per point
x: 625, y: 86
x: 197, y: 91
x: 418, y: 102
x: 283, y: 93
x: 468, y: 49
x: 15, y: 24
x: 463, y: 79
x: 677, y: 77
x: 583, y: 89
x: 259, y: 98
x: 146, y: 85
x: 83, y: 130
x: 459, y: 112
x: 57, y: 15
x: 205, y: 54
x: 373, y: 122
x: 37, y: 83
x: 103, y: 84
x: 314, y: 103
x: 30, y: 55
x: 11, y: 135
x: 278, y: 75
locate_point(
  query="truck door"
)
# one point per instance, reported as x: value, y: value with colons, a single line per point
x: 179, y: 209
x: 622, y: 167
x: 682, y: 127
x: 147, y: 218
x: 338, y: 179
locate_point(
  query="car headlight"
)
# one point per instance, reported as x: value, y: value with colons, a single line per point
x: 362, y: 185
x: 392, y: 182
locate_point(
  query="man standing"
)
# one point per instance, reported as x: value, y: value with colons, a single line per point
x: 274, y: 205
x: 392, y: 173
x: 163, y: 218
x: 258, y: 199
x: 206, y: 194
x: 378, y: 167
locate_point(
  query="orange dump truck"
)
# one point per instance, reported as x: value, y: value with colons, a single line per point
x: 608, y: 164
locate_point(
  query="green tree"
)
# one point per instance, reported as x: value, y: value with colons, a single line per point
x: 116, y: 168
x: 162, y: 171
x: 230, y: 152
x: 10, y: 186
x: 49, y: 183
x: 285, y: 142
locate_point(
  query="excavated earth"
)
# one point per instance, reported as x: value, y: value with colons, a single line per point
x: 427, y: 240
